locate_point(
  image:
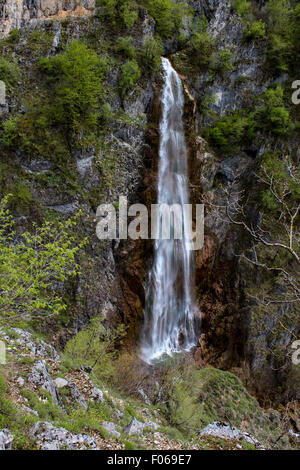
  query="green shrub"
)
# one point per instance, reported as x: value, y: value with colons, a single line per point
x: 123, y: 10
x: 256, y: 30
x: 272, y: 115
x: 231, y: 132
x: 130, y: 75
x: 242, y: 7
x: 198, y: 397
x: 128, y: 14
x: 32, y: 266
x: 13, y: 35
x: 202, y: 46
x: 151, y: 54
x: 76, y: 77
x: 95, y: 347
x: 21, y: 198
x: 168, y: 15
x: 9, y: 72
x: 283, y: 34
x: 222, y: 61
x: 126, y: 48
x: 275, y: 165
x: 12, y: 418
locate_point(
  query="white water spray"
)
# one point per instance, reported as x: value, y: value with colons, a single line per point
x: 169, y: 324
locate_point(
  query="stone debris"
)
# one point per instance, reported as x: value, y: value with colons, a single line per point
x: 97, y: 395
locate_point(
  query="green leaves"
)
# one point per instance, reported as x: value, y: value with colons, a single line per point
x: 9, y: 72
x: 32, y: 266
x: 76, y: 77
x: 129, y: 76
x: 94, y: 346
x: 168, y: 15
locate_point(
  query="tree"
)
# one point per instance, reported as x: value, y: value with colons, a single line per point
x: 151, y: 54
x: 76, y: 77
x: 275, y: 236
x: 129, y: 76
x: 32, y: 266
x: 95, y: 346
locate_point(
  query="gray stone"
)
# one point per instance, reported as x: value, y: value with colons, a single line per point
x: 77, y: 396
x: 26, y: 343
x: 48, y: 437
x: 137, y: 427
x: 40, y: 377
x: 110, y: 428
x: 97, y: 395
x: 6, y: 439
x: 226, y: 431
x: 60, y: 382
x: 20, y: 381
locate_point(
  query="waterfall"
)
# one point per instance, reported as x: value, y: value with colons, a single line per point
x: 169, y: 317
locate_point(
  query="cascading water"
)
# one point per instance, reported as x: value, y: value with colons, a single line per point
x: 169, y: 323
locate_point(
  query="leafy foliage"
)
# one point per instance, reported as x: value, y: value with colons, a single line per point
x: 168, y: 15
x: 126, y: 48
x: 76, y: 78
x: 129, y: 76
x: 9, y: 72
x: 272, y: 115
x: 230, y: 132
x: 32, y: 266
x: 151, y: 54
x: 202, y: 46
x: 94, y: 347
x: 124, y: 11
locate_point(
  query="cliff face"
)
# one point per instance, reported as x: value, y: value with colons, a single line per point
x: 124, y: 162
x: 20, y: 13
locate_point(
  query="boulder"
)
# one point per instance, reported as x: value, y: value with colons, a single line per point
x: 60, y: 382
x: 137, y: 427
x: 48, y: 437
x: 97, y: 395
x: 40, y: 377
x: 5, y: 439
x: 110, y: 428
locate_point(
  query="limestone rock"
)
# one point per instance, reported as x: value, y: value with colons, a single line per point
x: 40, y: 377
x: 110, y: 428
x: 97, y: 395
x: 27, y: 344
x: 76, y: 395
x: 5, y: 439
x: 48, y: 437
x: 225, y: 431
x: 137, y: 427
x: 60, y: 382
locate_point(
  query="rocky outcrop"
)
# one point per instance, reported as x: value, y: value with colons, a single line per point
x: 24, y: 343
x: 39, y: 377
x: 226, y: 431
x: 48, y: 437
x: 15, y: 14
